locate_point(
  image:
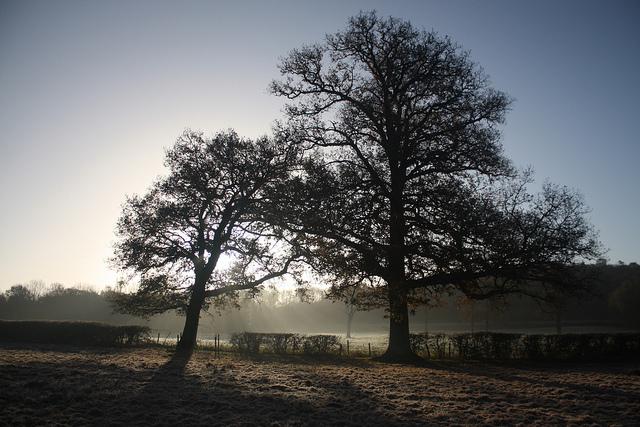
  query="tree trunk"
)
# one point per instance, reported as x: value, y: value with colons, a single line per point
x: 399, y: 348
x: 190, y: 331
x: 349, y: 321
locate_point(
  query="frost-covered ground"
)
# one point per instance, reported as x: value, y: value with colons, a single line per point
x: 65, y: 385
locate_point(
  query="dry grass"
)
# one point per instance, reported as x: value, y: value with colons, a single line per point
x: 143, y: 386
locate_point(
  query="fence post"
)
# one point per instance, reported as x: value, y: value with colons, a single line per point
x: 369, y: 349
x: 347, y: 347
x: 158, y: 341
x: 340, y: 349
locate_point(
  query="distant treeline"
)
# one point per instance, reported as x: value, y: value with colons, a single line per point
x: 613, y: 302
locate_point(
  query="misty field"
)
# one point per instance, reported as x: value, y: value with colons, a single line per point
x: 142, y: 386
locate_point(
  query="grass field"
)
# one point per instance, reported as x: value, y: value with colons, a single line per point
x: 142, y: 386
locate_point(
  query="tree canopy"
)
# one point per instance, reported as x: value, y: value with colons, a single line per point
x: 198, y: 234
x: 405, y: 182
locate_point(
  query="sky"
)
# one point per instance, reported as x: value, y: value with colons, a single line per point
x: 92, y: 92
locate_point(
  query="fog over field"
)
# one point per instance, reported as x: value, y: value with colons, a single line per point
x: 611, y: 307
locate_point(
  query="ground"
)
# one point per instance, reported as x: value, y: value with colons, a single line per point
x: 148, y: 386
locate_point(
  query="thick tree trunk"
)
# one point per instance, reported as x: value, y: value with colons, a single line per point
x: 190, y: 331
x: 399, y: 348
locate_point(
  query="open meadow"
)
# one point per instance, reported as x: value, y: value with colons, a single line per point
x: 62, y: 385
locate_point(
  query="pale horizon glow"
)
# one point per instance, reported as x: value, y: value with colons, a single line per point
x: 91, y: 93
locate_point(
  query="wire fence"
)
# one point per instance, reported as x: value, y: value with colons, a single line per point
x: 466, y: 346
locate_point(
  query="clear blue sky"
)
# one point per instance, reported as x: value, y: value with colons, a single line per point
x: 92, y: 91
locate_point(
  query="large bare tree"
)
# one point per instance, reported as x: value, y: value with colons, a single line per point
x: 405, y: 181
x: 174, y: 238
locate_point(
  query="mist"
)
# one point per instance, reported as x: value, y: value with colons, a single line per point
x: 608, y: 308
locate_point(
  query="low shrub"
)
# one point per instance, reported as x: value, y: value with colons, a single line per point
x: 419, y: 343
x: 246, y: 342
x: 71, y: 332
x: 254, y: 342
x: 320, y: 344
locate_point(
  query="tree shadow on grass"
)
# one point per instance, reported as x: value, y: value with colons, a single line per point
x: 549, y: 384
x: 531, y: 371
x: 306, y: 359
x: 227, y: 396
x: 151, y: 388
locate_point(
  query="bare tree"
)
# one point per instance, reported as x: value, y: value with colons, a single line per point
x: 174, y: 238
x: 356, y: 296
x: 405, y: 180
x: 37, y: 287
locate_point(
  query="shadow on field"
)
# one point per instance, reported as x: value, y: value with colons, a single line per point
x: 83, y: 391
x: 62, y: 391
x: 307, y: 360
x: 153, y: 387
x: 538, y: 374
x: 228, y: 395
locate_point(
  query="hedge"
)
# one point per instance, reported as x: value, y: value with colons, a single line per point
x: 71, y: 332
x: 254, y: 342
x: 502, y: 346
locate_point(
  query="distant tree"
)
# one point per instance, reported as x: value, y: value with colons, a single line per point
x: 55, y: 289
x: 208, y: 208
x: 351, y: 306
x: 4, y: 306
x: 37, y: 287
x: 356, y: 295
x: 625, y: 299
x: 18, y: 303
x: 19, y: 294
x: 405, y: 180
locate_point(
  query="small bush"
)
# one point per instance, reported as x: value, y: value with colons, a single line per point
x: 70, y: 332
x: 282, y: 343
x: 419, y: 343
x: 320, y: 344
x: 246, y: 342
x: 430, y: 345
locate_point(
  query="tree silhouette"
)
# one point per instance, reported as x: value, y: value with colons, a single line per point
x: 357, y: 294
x: 405, y: 180
x: 208, y: 208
